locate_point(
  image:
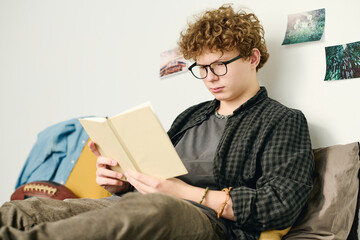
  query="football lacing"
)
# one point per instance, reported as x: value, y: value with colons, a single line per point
x: 40, y: 188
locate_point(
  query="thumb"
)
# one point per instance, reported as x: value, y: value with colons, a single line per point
x: 93, y: 148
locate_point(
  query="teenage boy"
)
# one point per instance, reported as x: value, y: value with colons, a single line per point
x: 249, y: 157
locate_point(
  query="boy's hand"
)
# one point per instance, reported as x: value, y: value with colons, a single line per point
x: 105, y: 177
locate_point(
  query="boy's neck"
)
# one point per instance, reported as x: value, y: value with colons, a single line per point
x: 228, y: 107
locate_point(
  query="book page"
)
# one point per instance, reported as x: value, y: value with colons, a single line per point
x: 100, y: 132
x: 148, y: 143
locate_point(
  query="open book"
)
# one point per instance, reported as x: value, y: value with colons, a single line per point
x: 137, y: 140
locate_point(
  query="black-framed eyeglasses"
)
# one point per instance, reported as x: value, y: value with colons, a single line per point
x: 217, y: 68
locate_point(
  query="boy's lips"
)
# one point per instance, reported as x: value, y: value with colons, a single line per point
x: 216, y: 89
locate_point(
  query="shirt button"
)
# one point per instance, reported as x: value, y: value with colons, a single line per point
x: 72, y: 161
x: 83, y: 142
x: 62, y: 182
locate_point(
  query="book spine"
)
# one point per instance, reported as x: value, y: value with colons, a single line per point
x: 122, y: 143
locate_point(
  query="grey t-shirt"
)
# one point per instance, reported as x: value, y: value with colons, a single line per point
x: 197, y: 149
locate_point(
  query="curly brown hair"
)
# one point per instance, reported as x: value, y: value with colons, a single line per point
x: 223, y: 30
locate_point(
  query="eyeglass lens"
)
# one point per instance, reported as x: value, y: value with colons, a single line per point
x: 217, y: 68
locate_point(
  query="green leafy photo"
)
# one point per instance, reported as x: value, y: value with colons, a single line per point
x: 342, y: 61
x: 305, y: 27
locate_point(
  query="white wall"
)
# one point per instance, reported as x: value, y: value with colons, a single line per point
x: 70, y: 58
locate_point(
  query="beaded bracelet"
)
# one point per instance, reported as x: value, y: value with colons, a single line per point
x: 204, y: 195
x: 221, y: 210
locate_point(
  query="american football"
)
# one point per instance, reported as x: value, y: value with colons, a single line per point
x: 46, y: 189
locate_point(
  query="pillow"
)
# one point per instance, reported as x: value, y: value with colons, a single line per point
x: 353, y: 235
x: 273, y: 234
x: 331, y: 208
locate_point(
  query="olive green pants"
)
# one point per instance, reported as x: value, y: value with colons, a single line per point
x: 133, y: 216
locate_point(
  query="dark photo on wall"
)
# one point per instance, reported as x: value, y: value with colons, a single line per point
x: 305, y: 27
x: 342, y: 61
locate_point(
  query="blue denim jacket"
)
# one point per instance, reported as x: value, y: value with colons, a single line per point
x: 55, y: 153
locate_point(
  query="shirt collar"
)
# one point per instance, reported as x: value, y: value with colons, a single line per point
x: 259, y: 96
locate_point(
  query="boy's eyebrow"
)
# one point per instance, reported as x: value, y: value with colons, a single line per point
x: 219, y: 60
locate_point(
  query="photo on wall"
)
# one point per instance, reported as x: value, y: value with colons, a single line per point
x: 305, y: 27
x: 171, y: 63
x: 342, y: 61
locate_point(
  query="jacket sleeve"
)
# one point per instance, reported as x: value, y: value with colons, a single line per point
x: 286, y: 165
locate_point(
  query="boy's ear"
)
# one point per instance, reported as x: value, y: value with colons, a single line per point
x: 255, y: 57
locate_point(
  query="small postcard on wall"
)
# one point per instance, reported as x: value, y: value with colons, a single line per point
x: 342, y: 61
x: 171, y: 63
x: 305, y: 27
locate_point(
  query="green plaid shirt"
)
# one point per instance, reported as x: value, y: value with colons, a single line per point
x: 265, y: 155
